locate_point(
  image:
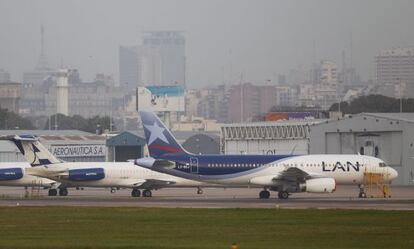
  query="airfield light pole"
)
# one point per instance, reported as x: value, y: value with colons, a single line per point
x: 400, y: 97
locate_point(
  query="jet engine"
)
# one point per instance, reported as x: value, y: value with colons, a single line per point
x: 7, y: 174
x: 318, y: 185
x: 91, y: 174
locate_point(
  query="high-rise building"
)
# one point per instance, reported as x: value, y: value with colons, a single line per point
x: 395, y: 67
x: 160, y: 60
x: 169, y: 52
x: 10, y: 96
x: 4, y: 76
x: 129, y: 68
x: 213, y: 103
x: 328, y: 73
x: 247, y: 101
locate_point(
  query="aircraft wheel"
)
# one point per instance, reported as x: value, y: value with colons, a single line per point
x: 199, y: 191
x: 113, y: 190
x: 52, y: 192
x: 63, y: 192
x: 362, y: 195
x: 264, y: 194
x: 136, y: 193
x: 147, y: 193
x: 283, y: 195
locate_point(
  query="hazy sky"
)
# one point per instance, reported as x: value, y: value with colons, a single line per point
x: 257, y: 37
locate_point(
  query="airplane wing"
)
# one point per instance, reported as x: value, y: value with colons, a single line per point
x: 156, y: 184
x: 143, y: 183
x: 295, y: 174
x: 289, y: 174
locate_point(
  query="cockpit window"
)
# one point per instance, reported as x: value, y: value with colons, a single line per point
x: 382, y: 165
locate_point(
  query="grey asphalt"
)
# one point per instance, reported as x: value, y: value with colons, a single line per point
x: 344, y: 198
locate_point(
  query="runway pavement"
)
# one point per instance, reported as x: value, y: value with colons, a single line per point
x: 343, y: 198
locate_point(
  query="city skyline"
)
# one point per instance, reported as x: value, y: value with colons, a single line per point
x: 225, y: 40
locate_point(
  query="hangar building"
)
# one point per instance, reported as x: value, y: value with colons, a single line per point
x: 267, y: 138
x: 68, y: 145
x: 79, y: 146
x: 389, y: 136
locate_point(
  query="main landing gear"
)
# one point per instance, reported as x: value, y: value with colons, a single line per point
x: 283, y: 195
x: 362, y: 193
x: 137, y: 193
x: 264, y: 194
x: 54, y: 192
x: 147, y: 193
x: 63, y: 191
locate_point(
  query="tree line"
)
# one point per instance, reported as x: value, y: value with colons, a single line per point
x: 12, y: 121
x: 374, y: 103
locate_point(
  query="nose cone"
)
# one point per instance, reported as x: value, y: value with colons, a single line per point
x: 392, y: 174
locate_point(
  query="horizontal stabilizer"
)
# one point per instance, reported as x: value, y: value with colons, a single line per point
x: 149, y: 162
x: 19, y: 138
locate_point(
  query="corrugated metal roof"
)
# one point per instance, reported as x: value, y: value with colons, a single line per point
x: 277, y: 123
x: 46, y: 132
x: 179, y: 135
x: 60, y: 136
x: 403, y: 116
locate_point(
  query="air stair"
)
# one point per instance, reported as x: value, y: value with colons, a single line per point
x: 375, y: 185
x: 34, y: 190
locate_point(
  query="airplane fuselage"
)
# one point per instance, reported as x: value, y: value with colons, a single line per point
x: 108, y: 174
x: 240, y: 169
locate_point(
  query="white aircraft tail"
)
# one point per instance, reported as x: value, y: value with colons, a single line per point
x: 33, y: 151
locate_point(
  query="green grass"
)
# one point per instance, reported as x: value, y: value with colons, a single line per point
x: 155, y: 228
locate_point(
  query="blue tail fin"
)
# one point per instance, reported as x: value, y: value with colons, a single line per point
x: 160, y: 141
x: 33, y: 151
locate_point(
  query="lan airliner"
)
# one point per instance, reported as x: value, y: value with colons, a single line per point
x: 112, y: 175
x: 282, y: 173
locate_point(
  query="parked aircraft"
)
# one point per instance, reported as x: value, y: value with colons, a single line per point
x: 282, y: 173
x: 112, y: 175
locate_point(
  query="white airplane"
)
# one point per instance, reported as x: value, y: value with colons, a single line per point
x: 112, y: 175
x: 15, y: 175
x: 282, y: 173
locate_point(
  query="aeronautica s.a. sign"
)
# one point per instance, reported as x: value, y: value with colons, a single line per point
x: 84, y: 150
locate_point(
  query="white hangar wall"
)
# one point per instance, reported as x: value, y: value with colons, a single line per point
x: 389, y: 136
x: 280, y: 137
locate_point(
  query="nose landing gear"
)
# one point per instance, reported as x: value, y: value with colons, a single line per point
x: 199, y: 191
x: 362, y: 193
